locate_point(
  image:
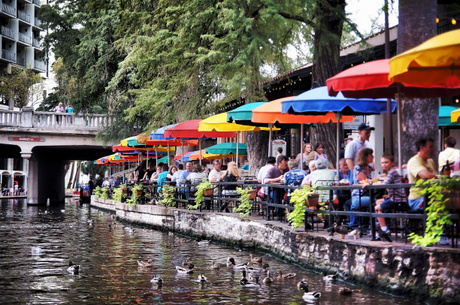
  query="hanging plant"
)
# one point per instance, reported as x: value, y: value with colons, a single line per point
x: 105, y: 193
x: 119, y: 194
x: 135, y: 195
x: 167, y: 195
x: 200, y: 192
x: 299, y: 200
x: 245, y: 201
x: 97, y: 192
x: 437, y: 215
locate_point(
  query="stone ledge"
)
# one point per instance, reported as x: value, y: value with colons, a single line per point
x: 419, y: 272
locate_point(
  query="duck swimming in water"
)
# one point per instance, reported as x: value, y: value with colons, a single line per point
x: 202, y: 278
x: 156, y: 280
x: 309, y: 296
x: 246, y: 283
x: 232, y: 264
x: 185, y: 270
x: 74, y: 269
x: 144, y: 264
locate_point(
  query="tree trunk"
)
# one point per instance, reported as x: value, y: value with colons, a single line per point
x: 69, y: 184
x: 419, y: 117
x: 77, y: 175
x: 257, y: 146
x: 328, y: 33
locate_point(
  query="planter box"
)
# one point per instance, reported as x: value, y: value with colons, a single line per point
x: 208, y: 192
x: 252, y: 194
x: 312, y: 201
x: 453, y: 200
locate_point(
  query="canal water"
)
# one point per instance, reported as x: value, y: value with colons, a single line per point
x: 37, y: 243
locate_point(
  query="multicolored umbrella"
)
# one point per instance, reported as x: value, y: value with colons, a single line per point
x: 434, y: 63
x: 189, y: 130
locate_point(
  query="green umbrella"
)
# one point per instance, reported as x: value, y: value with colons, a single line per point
x: 227, y: 148
x: 164, y: 160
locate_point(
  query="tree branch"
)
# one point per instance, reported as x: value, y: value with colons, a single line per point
x: 298, y: 18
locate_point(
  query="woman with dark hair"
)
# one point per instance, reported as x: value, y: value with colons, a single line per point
x: 362, y: 174
x: 317, y: 153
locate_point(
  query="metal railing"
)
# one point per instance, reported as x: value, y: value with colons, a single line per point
x: 21, y: 61
x: 53, y: 120
x: 25, y: 38
x: 39, y: 65
x: 8, y: 32
x: 23, y: 16
x: 36, y: 43
x: 6, y: 8
x: 37, y: 2
x: 8, y: 55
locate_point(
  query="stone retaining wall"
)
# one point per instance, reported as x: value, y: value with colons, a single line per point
x: 420, y: 272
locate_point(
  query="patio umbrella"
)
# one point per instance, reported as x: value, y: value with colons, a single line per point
x: 227, y: 148
x: 189, y: 130
x: 435, y: 63
x: 271, y: 113
x: 317, y: 101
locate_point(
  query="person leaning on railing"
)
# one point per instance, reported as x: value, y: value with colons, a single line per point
x: 232, y: 175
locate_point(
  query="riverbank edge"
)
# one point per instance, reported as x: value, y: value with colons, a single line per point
x: 422, y: 273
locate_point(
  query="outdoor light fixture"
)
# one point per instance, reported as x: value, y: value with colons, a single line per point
x: 437, y: 20
x: 454, y: 22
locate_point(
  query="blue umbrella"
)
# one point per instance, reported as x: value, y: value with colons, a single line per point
x: 158, y: 133
x: 317, y: 101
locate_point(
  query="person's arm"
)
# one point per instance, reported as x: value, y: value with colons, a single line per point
x: 350, y: 163
x: 426, y: 174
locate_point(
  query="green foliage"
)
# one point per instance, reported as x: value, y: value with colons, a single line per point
x: 89, y: 168
x: 19, y: 84
x: 298, y: 199
x: 199, y: 195
x: 167, y: 195
x: 98, y: 192
x: 118, y: 195
x: 437, y: 216
x: 134, y: 196
x: 245, y: 203
x: 105, y: 193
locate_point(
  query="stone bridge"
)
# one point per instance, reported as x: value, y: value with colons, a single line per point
x: 48, y: 140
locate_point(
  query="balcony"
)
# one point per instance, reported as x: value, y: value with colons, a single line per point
x: 36, y: 43
x: 39, y: 65
x: 8, y: 32
x: 8, y: 55
x: 21, y: 62
x: 24, y: 16
x: 8, y: 9
x: 38, y: 22
x: 25, y: 38
x: 37, y: 2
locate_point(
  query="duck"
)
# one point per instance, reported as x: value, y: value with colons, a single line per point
x: 267, y: 280
x: 231, y: 264
x: 302, y: 283
x: 255, y: 259
x: 202, y: 278
x: 309, y: 296
x: 246, y: 283
x: 282, y: 276
x: 330, y: 277
x: 144, y: 264
x: 256, y: 272
x: 185, y: 270
x: 203, y: 242
x: 187, y: 262
x: 74, y: 269
x: 156, y: 280
x: 341, y: 229
x: 215, y: 266
x: 345, y: 290
x: 358, y: 232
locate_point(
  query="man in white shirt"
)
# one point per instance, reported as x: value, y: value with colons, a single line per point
x: 449, y: 154
x: 351, y: 150
x: 178, y: 173
x: 216, y: 173
x: 260, y: 177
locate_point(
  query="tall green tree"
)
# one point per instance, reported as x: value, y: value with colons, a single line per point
x: 19, y: 85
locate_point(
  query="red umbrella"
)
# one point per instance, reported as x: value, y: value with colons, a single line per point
x: 370, y: 80
x: 189, y: 130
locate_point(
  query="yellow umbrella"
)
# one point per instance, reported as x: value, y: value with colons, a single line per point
x: 434, y: 63
x: 455, y: 116
x: 219, y: 122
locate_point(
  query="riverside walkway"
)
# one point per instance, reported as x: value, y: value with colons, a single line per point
x: 398, y: 267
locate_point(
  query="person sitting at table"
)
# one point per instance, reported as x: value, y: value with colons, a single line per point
x: 196, y: 176
x: 149, y: 171
x: 232, y: 175
x: 216, y: 173
x: 162, y: 177
x: 177, y: 174
x: 159, y: 170
x: 345, y: 174
x: 312, y: 167
x: 172, y: 170
x: 263, y: 191
x: 307, y: 148
x: 362, y: 174
x: 322, y: 176
x: 385, y: 204
x: 276, y: 175
x: 317, y: 153
x: 293, y: 178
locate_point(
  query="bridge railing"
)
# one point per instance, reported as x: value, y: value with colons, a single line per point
x: 29, y: 118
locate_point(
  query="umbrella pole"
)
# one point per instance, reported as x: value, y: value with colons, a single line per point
x: 237, y: 146
x: 270, y: 140
x: 199, y: 148
x: 399, y: 133
x: 301, y: 146
x: 338, y: 116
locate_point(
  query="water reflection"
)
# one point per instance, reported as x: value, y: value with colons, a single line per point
x: 37, y: 243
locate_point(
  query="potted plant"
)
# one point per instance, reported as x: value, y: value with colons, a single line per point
x: 97, y: 192
x: 205, y: 185
x: 119, y: 194
x: 167, y: 193
x: 299, y: 200
x: 245, y: 201
x: 436, y: 209
x: 137, y: 193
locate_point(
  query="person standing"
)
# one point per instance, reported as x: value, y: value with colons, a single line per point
x: 59, y: 109
x: 69, y: 109
x: 449, y: 154
x: 352, y: 148
x: 420, y: 166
